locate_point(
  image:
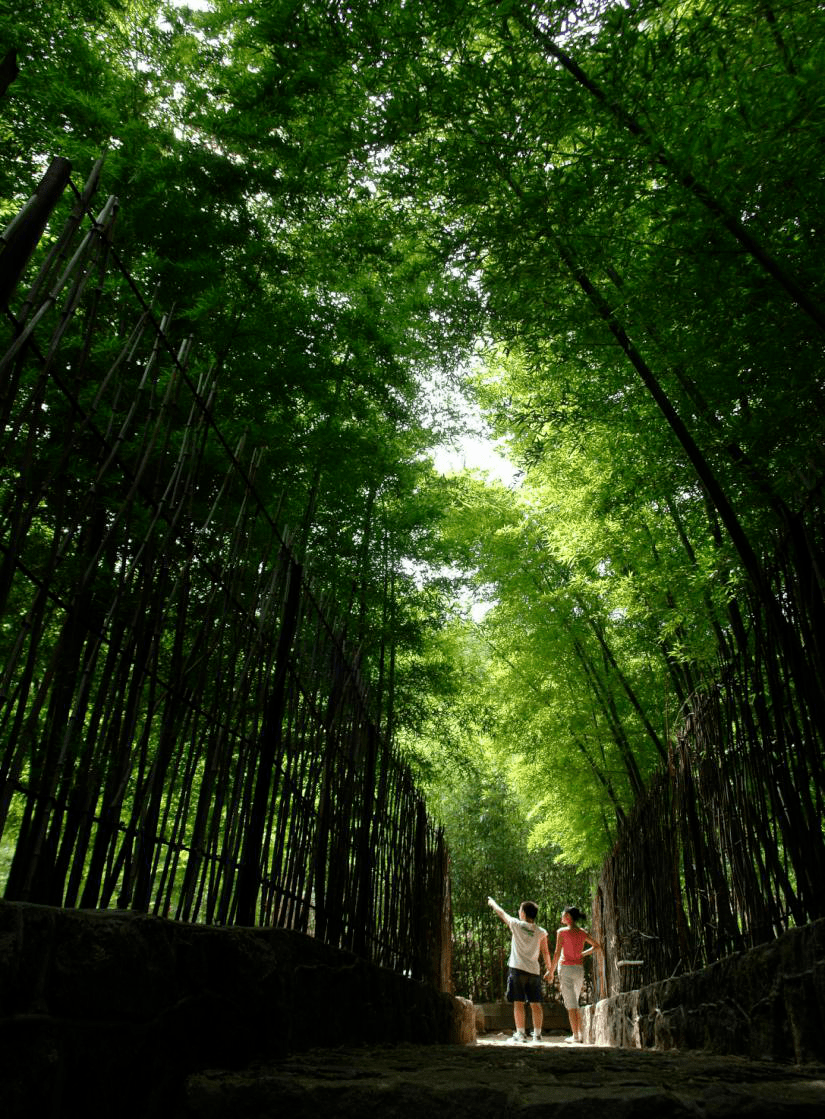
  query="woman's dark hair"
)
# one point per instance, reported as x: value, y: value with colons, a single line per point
x: 575, y: 913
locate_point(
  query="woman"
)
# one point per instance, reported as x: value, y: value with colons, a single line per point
x: 570, y: 942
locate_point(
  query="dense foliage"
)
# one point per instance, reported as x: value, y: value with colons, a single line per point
x: 638, y: 187
x: 611, y: 213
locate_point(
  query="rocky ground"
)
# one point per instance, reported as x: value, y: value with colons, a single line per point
x: 497, y: 1077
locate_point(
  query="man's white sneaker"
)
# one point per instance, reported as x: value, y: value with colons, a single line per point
x: 571, y: 1039
x: 519, y: 1036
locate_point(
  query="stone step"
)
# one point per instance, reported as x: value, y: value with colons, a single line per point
x: 507, y: 1080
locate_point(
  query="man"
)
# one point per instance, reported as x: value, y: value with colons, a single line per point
x: 523, y: 970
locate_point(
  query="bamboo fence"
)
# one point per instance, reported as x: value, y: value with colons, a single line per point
x: 726, y: 848
x: 182, y: 729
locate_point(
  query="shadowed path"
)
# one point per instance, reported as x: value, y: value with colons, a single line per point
x: 496, y: 1077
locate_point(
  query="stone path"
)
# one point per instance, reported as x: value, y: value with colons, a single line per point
x: 496, y: 1077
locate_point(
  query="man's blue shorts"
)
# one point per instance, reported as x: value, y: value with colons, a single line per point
x: 523, y: 986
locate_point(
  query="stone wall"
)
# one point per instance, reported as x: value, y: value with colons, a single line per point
x: 768, y: 1003
x: 104, y: 1012
x: 497, y: 1017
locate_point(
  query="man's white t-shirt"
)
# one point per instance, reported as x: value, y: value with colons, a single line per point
x: 526, y: 946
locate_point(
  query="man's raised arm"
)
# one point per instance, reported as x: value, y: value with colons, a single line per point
x: 497, y: 909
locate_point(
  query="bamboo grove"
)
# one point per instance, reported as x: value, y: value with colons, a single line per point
x: 603, y: 220
x: 184, y: 730
x: 639, y: 187
x: 673, y: 253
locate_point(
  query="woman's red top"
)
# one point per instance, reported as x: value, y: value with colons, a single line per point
x: 572, y: 945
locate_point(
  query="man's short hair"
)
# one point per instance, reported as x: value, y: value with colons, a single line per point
x: 531, y: 910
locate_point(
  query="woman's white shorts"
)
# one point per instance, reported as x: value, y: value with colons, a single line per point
x: 571, y: 977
